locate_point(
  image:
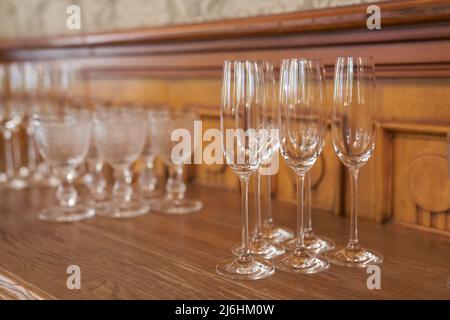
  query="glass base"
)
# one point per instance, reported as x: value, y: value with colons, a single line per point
x: 302, y: 262
x: 67, y: 214
x: 18, y: 183
x: 183, y: 206
x: 253, y: 269
x: 151, y: 195
x: 133, y: 208
x: 261, y: 248
x: 355, y: 257
x: 314, y: 244
x: 275, y: 233
x: 102, y: 207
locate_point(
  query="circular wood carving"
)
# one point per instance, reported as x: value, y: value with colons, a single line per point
x: 429, y: 183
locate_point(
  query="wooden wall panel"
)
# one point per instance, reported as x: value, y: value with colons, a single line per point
x: 420, y: 181
x: 181, y: 66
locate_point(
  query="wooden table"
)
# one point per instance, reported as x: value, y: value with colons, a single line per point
x: 173, y: 257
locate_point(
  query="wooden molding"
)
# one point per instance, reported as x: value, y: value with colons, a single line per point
x: 394, y: 13
x: 414, y: 42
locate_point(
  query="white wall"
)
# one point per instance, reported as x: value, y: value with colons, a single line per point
x: 21, y: 18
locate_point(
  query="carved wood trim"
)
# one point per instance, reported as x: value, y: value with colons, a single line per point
x: 413, y: 42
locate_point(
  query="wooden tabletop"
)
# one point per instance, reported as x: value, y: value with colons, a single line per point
x: 173, y: 257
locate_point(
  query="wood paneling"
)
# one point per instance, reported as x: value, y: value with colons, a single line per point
x: 181, y: 66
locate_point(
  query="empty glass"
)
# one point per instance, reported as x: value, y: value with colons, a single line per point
x: 176, y: 129
x: 63, y: 141
x: 17, y: 171
x: 259, y: 244
x: 120, y: 136
x: 3, y: 88
x: 147, y: 179
x: 302, y: 130
x: 94, y: 179
x: 243, y: 98
x: 353, y: 132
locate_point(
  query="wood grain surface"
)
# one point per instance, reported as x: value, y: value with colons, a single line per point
x: 173, y: 257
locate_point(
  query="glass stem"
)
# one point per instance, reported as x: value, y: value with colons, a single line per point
x: 9, y: 158
x: 269, y: 216
x: 122, y: 190
x: 66, y: 193
x: 175, y: 187
x: 300, y: 245
x: 31, y: 148
x: 258, y: 227
x: 353, y: 242
x: 147, y: 180
x: 16, y: 150
x: 308, y: 221
x: 98, y: 184
x: 245, y: 253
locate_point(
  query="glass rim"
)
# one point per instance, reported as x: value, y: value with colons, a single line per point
x: 302, y: 59
x: 249, y: 60
x: 356, y: 57
x: 61, y: 118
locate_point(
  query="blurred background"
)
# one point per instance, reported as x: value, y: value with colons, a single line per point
x: 31, y: 18
x: 170, y: 54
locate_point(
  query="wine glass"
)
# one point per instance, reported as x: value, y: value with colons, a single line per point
x: 45, y: 102
x: 243, y: 98
x: 3, y: 88
x: 176, y: 129
x: 63, y: 141
x: 95, y: 180
x: 353, y: 132
x: 302, y: 130
x: 31, y: 86
x: 259, y: 244
x: 147, y: 178
x: 17, y: 172
x: 120, y: 135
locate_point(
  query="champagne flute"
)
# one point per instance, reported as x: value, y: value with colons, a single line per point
x: 240, y: 120
x: 353, y: 133
x: 301, y: 135
x: 259, y: 244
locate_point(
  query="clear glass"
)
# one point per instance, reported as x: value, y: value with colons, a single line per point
x: 147, y: 179
x: 63, y: 141
x: 175, y: 126
x: 17, y: 172
x: 3, y: 152
x: 120, y: 135
x: 302, y: 130
x: 314, y: 243
x: 259, y: 244
x: 243, y: 98
x: 353, y: 133
x: 40, y: 91
x: 270, y: 230
x: 95, y: 180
